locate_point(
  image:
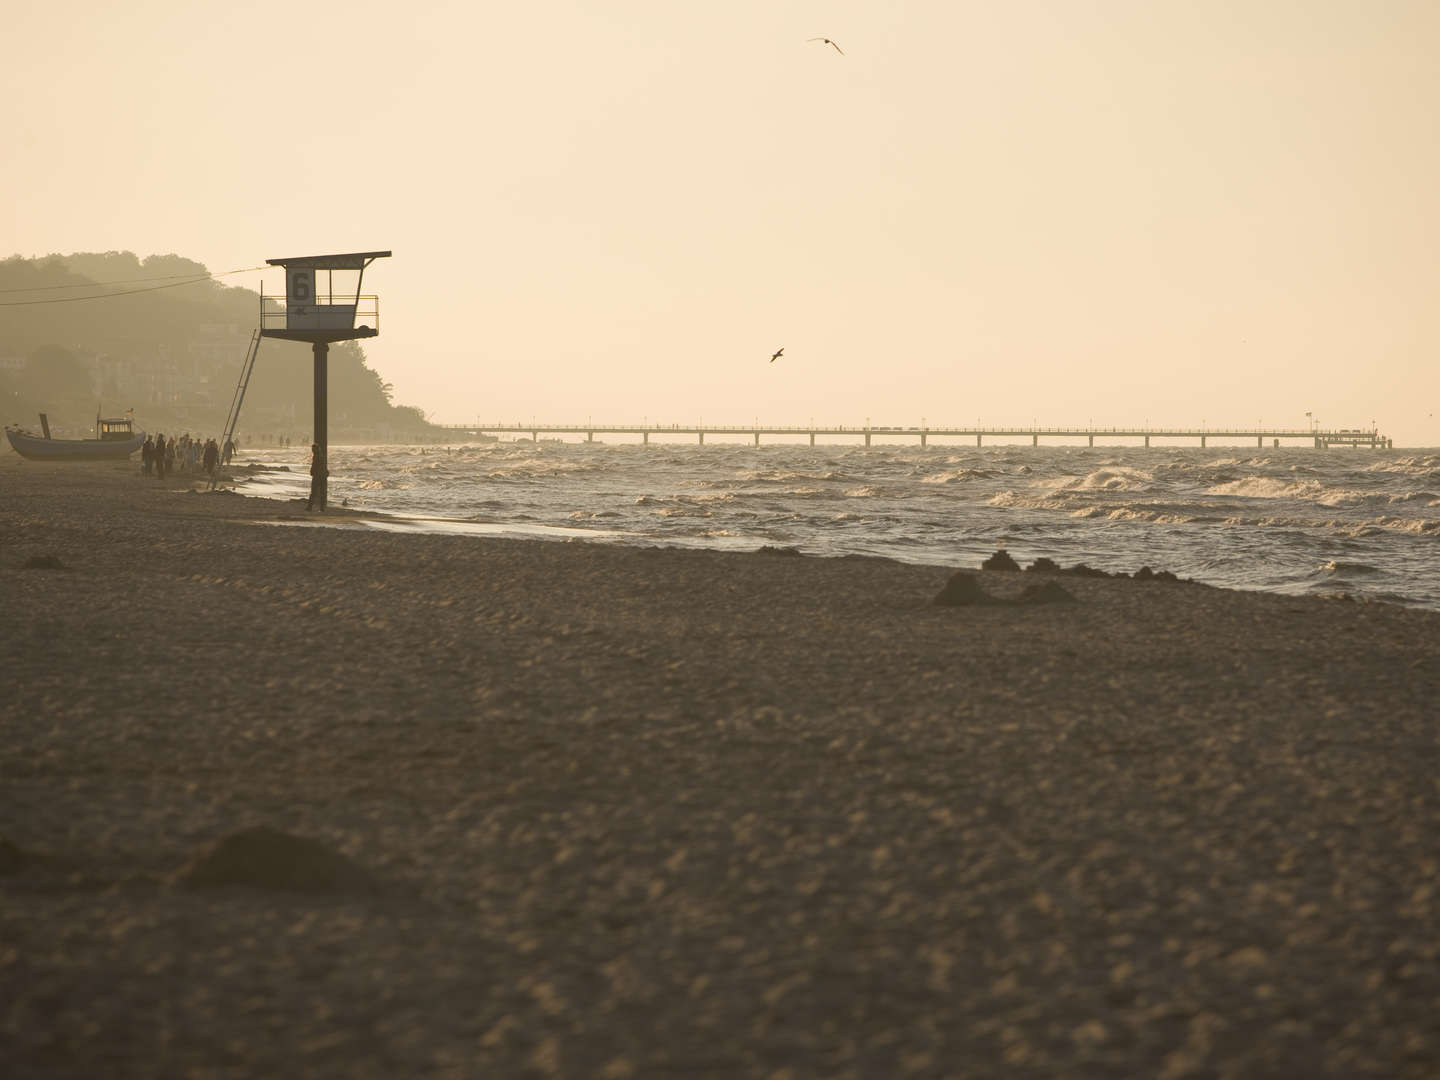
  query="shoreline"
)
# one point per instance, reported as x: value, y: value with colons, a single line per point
x: 627, y: 810
x: 1239, y: 524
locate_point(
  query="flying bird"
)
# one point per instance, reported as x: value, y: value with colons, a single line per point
x: 827, y: 41
x: 777, y: 354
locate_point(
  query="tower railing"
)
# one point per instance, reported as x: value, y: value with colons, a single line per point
x: 338, y: 312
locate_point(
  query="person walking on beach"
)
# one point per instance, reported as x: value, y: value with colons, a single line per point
x: 317, y: 478
x: 212, y: 457
x: 159, y: 455
x: 147, y: 454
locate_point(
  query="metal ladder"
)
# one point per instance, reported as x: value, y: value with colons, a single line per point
x: 232, y: 418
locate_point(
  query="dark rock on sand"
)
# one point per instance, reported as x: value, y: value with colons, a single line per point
x: 963, y: 589
x: 771, y: 549
x: 1050, y: 566
x: 265, y: 858
x: 1048, y: 593
x: 44, y: 562
x: 14, y: 859
x: 1146, y: 574
x: 1001, y: 560
x: 960, y: 590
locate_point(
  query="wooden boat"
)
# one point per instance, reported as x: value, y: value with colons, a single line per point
x: 117, y: 440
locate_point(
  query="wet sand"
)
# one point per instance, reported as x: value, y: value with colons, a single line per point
x: 626, y: 812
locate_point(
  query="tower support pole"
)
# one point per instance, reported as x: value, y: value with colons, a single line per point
x: 319, y: 479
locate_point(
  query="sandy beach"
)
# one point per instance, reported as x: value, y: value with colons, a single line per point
x: 605, y: 811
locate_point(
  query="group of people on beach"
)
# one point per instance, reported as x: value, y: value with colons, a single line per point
x: 162, y: 455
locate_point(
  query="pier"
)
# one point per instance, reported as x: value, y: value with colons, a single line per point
x: 1320, y: 438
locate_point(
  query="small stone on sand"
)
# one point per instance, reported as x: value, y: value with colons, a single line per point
x: 13, y: 858
x: 265, y: 858
x: 960, y: 590
x: 1001, y: 560
x: 1146, y: 574
x: 1048, y: 593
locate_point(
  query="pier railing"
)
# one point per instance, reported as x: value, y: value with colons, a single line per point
x: 1320, y: 438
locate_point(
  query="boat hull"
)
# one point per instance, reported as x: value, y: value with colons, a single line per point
x: 37, y: 449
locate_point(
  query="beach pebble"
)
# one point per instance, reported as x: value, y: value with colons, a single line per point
x: 1146, y: 574
x: 1048, y: 593
x: 13, y: 858
x: 960, y: 590
x: 1001, y: 560
x: 265, y: 858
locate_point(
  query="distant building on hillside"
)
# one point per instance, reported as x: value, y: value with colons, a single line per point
x: 216, y: 349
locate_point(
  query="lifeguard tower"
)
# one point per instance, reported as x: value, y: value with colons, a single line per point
x: 321, y: 317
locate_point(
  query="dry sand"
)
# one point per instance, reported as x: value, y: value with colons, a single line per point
x: 624, y: 812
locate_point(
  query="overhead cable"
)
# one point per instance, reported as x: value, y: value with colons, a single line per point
x: 123, y: 292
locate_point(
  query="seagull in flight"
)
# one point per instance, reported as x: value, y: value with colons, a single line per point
x: 777, y: 354
x: 827, y: 41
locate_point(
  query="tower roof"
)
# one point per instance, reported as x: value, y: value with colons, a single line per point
x: 356, y: 260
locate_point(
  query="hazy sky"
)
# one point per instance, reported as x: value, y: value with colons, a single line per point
x: 1118, y: 211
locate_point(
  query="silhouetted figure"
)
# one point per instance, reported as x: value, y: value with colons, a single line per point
x: 159, y: 455
x: 317, y: 478
x: 147, y: 455
x: 211, y: 458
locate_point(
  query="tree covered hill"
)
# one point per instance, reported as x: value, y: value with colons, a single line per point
x: 169, y: 342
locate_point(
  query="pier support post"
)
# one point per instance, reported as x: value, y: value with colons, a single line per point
x: 702, y: 438
x: 589, y: 436
x: 812, y: 438
x: 977, y: 438
x: 1202, y: 442
x: 1147, y: 442
x: 534, y: 436
x: 1092, y: 440
x: 1260, y: 441
x: 1034, y: 440
x: 757, y: 438
x: 645, y: 435
x: 320, y: 472
x: 922, y: 438
x: 867, y: 438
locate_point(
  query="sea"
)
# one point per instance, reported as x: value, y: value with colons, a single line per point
x: 1356, y: 523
